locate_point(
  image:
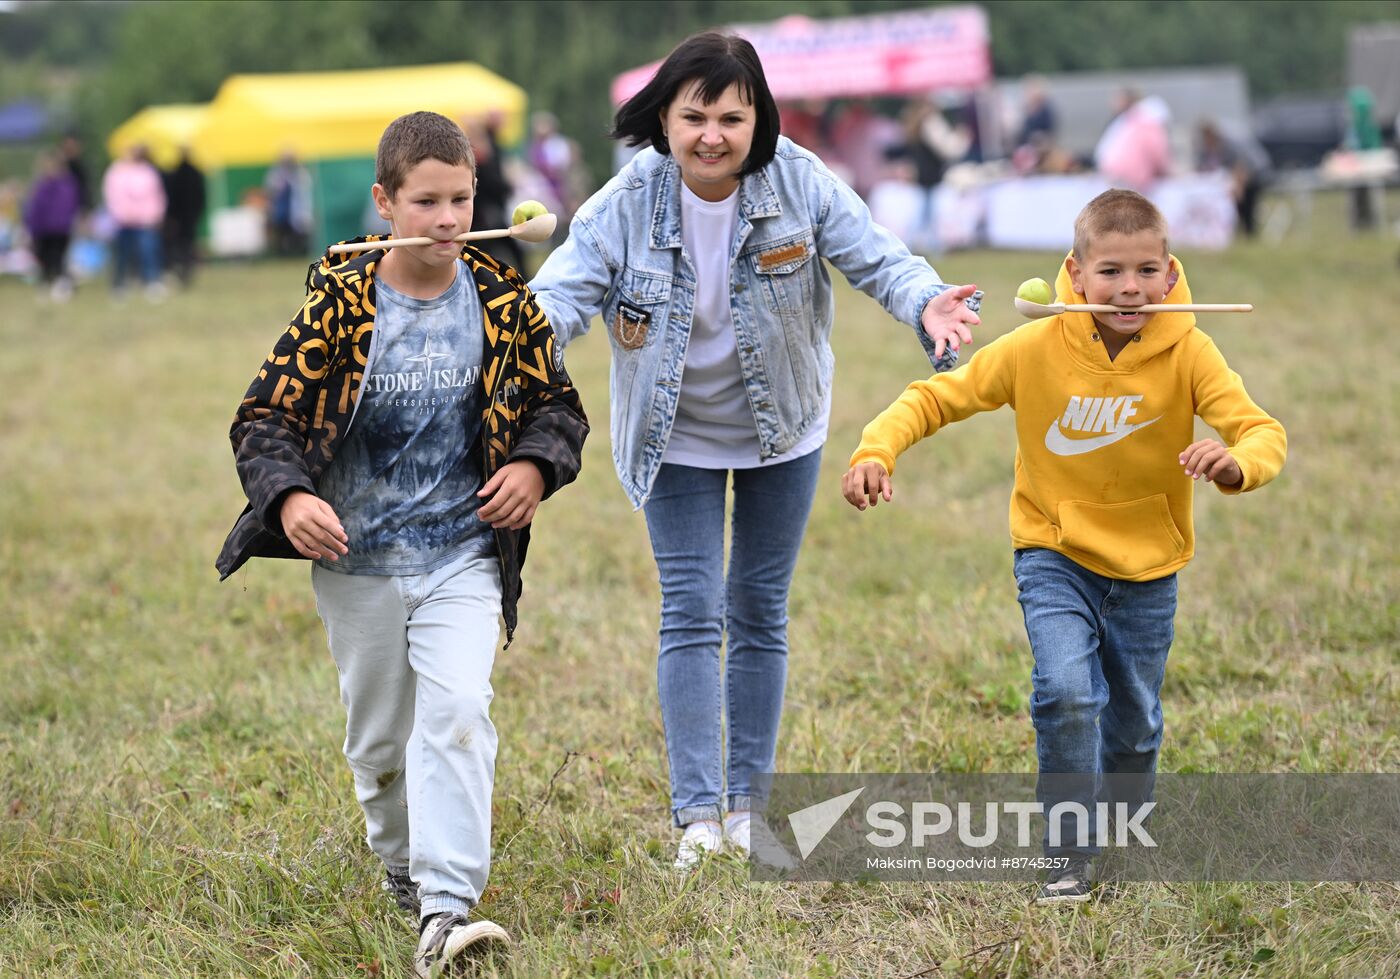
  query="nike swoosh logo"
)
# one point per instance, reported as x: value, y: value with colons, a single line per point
x: 1057, y: 442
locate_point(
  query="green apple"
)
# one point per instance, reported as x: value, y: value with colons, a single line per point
x: 1036, y: 291
x: 526, y: 210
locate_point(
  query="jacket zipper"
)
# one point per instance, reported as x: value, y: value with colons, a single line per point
x: 486, y: 455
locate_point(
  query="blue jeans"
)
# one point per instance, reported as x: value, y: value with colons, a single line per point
x: 138, y: 247
x: 1100, y: 648
x: 700, y: 604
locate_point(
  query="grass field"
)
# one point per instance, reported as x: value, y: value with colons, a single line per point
x: 174, y: 798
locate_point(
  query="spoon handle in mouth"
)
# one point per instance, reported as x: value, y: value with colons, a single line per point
x: 537, y: 229
x: 1162, y: 308
x: 364, y: 246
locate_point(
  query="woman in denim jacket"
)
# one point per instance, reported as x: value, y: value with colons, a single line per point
x: 703, y: 257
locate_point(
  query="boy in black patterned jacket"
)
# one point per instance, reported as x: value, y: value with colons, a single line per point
x: 400, y: 436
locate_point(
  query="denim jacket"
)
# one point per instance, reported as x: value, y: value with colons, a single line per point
x: 624, y: 258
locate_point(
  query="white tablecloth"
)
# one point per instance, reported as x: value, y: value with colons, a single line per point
x: 1037, y: 213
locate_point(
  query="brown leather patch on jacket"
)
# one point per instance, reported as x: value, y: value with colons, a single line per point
x: 630, y: 326
x: 781, y: 256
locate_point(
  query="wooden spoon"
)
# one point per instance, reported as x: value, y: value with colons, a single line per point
x: 538, y: 228
x: 1036, y: 310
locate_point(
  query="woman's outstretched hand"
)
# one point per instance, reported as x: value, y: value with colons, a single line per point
x: 946, y: 319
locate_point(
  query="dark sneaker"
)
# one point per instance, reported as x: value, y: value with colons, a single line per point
x: 1070, y: 885
x: 403, y: 891
x: 447, y: 939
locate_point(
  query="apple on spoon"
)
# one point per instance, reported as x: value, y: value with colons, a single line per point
x: 1034, y: 300
x: 526, y: 211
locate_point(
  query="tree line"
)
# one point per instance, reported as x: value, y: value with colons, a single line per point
x: 101, y: 62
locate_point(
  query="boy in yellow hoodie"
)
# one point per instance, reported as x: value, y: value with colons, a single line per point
x: 1101, y: 510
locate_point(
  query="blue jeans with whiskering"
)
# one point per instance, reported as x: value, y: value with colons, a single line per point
x: 1100, y: 648
x: 701, y: 605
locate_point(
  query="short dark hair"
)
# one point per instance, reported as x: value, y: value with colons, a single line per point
x: 714, y: 61
x: 1124, y: 212
x: 419, y: 136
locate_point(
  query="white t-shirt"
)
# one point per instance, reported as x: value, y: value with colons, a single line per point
x: 714, y: 426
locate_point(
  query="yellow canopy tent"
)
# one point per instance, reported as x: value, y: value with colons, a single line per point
x: 162, y: 129
x: 332, y: 121
x: 254, y: 119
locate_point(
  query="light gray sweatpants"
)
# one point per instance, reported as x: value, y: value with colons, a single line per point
x: 414, y: 654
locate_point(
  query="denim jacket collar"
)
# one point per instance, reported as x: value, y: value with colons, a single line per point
x: 757, y: 199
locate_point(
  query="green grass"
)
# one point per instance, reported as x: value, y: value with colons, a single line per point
x: 173, y: 801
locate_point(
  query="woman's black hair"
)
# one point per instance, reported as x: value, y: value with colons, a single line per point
x: 715, y: 61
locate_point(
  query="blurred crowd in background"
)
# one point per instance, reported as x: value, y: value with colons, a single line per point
x: 137, y: 225
x: 141, y: 221
x: 142, y: 226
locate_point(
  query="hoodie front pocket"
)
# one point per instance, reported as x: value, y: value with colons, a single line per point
x: 1132, y: 537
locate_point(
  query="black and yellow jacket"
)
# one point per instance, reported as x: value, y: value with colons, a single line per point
x: 301, y: 404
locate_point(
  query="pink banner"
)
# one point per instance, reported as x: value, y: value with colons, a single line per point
x: 883, y: 54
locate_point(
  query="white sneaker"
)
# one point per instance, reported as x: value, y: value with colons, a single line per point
x: 447, y: 938
x: 742, y: 832
x: 700, y: 839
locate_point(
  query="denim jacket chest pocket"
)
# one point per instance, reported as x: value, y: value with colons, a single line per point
x: 783, y: 268
x: 636, y: 310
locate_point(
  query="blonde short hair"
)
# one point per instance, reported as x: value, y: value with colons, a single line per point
x: 1124, y: 212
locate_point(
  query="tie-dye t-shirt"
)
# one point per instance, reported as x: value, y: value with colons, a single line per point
x: 404, y: 482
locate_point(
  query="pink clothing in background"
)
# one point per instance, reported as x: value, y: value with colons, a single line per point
x: 1135, y: 151
x: 133, y: 193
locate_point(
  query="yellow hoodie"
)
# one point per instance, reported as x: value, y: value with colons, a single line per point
x: 1097, y: 476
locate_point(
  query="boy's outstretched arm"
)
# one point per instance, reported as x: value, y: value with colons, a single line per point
x: 865, y: 484
x: 1257, y: 443
x: 983, y: 384
x: 1211, y: 459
